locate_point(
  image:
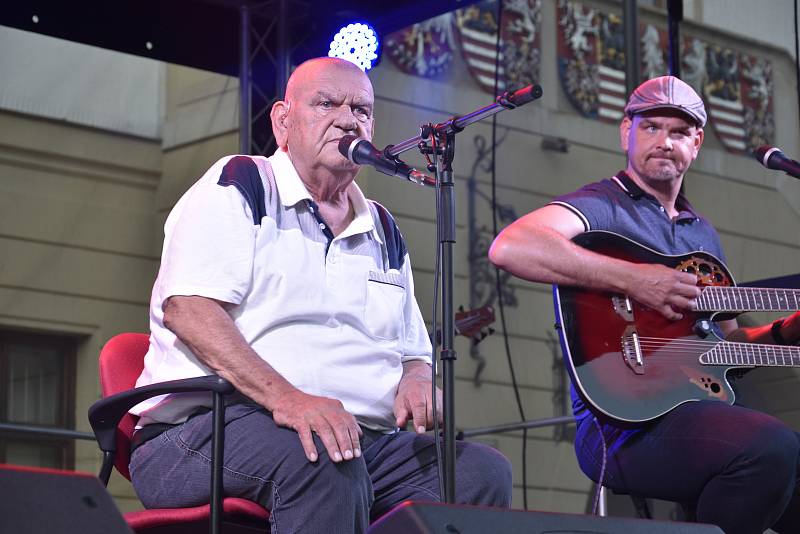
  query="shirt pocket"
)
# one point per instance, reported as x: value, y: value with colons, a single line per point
x: 383, y: 310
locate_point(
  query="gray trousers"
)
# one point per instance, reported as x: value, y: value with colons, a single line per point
x: 266, y: 464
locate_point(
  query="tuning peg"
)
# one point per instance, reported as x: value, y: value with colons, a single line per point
x: 461, y: 308
x: 491, y: 330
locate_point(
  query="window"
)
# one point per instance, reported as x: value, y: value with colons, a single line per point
x: 37, y: 377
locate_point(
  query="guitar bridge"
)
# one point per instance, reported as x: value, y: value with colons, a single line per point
x: 623, y: 307
x: 632, y: 350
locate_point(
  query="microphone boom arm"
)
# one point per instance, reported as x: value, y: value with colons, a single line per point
x: 507, y: 100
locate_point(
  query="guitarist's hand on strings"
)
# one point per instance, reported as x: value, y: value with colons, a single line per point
x: 663, y: 289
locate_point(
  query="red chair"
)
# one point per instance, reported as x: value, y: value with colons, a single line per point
x: 121, y: 363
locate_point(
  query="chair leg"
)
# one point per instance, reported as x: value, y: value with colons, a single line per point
x: 642, y: 508
x: 105, y: 469
x: 218, y: 447
x: 689, y: 510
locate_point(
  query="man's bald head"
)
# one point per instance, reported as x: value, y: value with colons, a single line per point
x: 308, y: 71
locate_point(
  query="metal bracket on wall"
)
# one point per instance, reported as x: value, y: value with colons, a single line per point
x: 483, y: 285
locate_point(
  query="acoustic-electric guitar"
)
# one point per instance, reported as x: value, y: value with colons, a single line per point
x: 631, y: 364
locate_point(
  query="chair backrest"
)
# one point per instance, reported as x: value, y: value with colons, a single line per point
x: 121, y: 363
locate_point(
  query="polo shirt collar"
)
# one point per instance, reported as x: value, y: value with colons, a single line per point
x: 362, y: 220
x: 632, y: 189
x: 292, y: 190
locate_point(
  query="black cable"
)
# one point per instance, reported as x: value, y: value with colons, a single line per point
x: 797, y: 57
x: 498, y: 284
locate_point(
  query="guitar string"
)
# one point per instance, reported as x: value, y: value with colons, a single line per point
x: 705, y: 347
x: 672, y: 347
x: 704, y: 342
x: 732, y: 345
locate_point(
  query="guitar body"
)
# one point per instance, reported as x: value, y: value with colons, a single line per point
x: 628, y: 362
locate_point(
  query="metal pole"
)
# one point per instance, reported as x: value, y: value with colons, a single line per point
x: 675, y: 16
x: 448, y: 355
x: 499, y: 429
x: 46, y: 432
x: 630, y: 16
x: 283, y: 64
x: 245, y: 104
x: 217, y: 451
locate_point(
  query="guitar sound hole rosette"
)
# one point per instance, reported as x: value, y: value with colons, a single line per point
x: 708, y: 273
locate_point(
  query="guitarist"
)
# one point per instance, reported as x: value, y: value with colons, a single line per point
x: 738, y: 466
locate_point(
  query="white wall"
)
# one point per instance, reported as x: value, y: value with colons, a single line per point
x: 80, y: 84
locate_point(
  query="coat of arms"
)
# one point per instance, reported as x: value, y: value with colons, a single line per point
x: 724, y: 97
x: 591, y: 60
x: 737, y: 89
x: 520, y: 55
x: 423, y: 49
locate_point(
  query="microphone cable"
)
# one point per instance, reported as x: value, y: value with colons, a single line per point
x: 498, y: 283
x: 602, y: 477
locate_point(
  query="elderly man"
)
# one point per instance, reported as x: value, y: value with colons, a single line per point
x: 739, y: 466
x: 279, y: 275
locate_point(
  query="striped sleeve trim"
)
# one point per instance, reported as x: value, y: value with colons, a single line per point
x: 395, y: 244
x: 620, y: 184
x: 576, y: 211
x: 242, y: 173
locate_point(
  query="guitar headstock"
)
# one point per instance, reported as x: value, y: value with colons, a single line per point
x: 474, y: 323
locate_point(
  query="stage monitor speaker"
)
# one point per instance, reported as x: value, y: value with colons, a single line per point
x: 47, y: 501
x: 434, y: 518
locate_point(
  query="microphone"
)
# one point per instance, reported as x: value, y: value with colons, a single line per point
x: 773, y: 158
x: 362, y: 152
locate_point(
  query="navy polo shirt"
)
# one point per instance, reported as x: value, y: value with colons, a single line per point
x: 618, y: 205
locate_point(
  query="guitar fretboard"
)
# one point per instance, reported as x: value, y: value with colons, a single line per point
x: 742, y: 299
x: 751, y: 354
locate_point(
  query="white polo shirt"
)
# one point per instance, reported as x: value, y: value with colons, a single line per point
x: 335, y: 316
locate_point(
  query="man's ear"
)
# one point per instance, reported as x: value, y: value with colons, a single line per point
x: 698, y: 141
x: 278, y: 116
x: 625, y: 132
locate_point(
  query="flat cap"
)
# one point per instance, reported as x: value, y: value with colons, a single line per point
x: 667, y: 92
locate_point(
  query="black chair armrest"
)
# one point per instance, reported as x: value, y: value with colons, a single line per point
x: 105, y: 414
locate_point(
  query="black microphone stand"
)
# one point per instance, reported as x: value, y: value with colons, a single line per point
x: 439, y: 140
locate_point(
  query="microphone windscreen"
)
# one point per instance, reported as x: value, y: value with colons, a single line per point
x: 773, y: 158
x: 525, y: 95
x: 344, y: 145
x: 760, y: 152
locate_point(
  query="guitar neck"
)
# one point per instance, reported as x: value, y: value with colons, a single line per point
x: 744, y: 299
x: 751, y: 355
